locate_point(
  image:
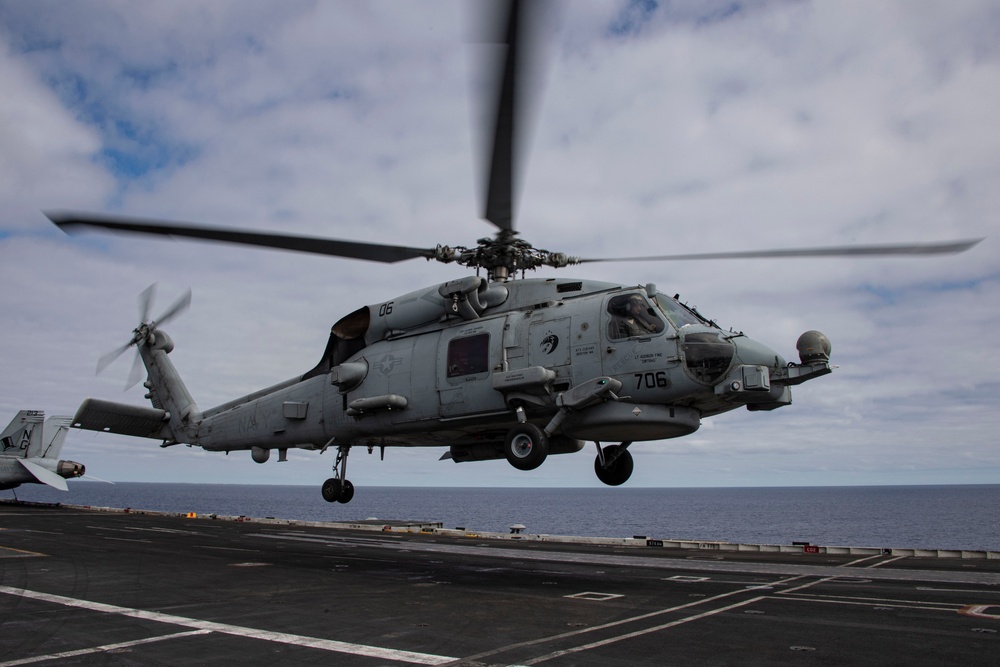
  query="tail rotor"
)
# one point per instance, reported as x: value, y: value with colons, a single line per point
x: 141, y: 334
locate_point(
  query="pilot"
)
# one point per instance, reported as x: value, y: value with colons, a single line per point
x: 636, y: 321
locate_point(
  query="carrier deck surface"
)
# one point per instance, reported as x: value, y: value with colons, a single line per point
x: 81, y: 586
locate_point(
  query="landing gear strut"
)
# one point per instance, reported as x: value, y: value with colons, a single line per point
x: 613, y: 464
x: 338, y: 488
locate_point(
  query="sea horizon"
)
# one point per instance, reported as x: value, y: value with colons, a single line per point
x: 945, y: 516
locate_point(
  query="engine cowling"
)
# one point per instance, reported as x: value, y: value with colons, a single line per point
x: 465, y: 297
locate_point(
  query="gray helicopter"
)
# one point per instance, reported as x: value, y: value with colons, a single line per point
x: 489, y: 367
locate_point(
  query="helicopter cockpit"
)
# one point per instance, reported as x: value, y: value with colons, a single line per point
x: 707, y: 354
x: 677, y: 314
x: 631, y: 315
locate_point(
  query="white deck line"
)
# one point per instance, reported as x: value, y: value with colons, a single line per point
x: 239, y: 631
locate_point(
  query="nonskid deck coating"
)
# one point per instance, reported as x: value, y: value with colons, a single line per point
x: 90, y: 587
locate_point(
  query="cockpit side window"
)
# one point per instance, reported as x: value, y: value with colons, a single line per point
x: 631, y: 315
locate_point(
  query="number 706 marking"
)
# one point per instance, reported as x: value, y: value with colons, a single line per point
x: 652, y: 380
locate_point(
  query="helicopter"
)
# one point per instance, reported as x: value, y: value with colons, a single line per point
x: 494, y: 366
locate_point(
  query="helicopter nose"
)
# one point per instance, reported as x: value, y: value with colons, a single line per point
x: 749, y: 377
x: 761, y: 378
x: 752, y: 353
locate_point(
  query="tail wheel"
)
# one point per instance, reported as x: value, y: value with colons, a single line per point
x: 526, y: 446
x: 617, y: 468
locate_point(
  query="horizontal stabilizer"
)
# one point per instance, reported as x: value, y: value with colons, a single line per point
x: 44, y: 476
x: 107, y: 417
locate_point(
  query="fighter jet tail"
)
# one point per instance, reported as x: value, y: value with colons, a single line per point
x: 29, y: 452
x: 23, y: 436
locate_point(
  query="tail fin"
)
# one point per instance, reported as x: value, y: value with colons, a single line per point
x: 54, y: 436
x: 23, y: 436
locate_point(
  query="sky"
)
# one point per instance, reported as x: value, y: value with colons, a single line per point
x: 662, y: 128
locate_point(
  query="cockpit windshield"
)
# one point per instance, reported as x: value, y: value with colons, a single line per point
x: 678, y: 315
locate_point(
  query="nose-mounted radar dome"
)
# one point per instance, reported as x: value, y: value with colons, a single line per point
x: 813, y: 346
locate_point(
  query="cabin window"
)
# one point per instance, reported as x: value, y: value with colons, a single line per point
x: 469, y: 355
x: 631, y: 315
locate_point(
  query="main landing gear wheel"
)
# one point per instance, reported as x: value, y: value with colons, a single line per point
x: 617, y: 466
x: 526, y: 446
x: 337, y: 491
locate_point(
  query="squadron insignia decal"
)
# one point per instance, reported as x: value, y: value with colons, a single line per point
x: 550, y: 343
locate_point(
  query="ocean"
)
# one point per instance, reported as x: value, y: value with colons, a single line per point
x: 923, y: 517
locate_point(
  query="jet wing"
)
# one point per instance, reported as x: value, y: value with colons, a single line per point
x: 44, y: 476
x: 107, y: 417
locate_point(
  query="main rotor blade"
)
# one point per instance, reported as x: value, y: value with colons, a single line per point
x: 499, y: 205
x: 70, y: 222
x: 513, y: 76
x: 948, y: 247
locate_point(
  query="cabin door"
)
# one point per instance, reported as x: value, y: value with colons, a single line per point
x: 468, y: 355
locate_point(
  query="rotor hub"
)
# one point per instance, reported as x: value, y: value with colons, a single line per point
x: 503, y: 256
